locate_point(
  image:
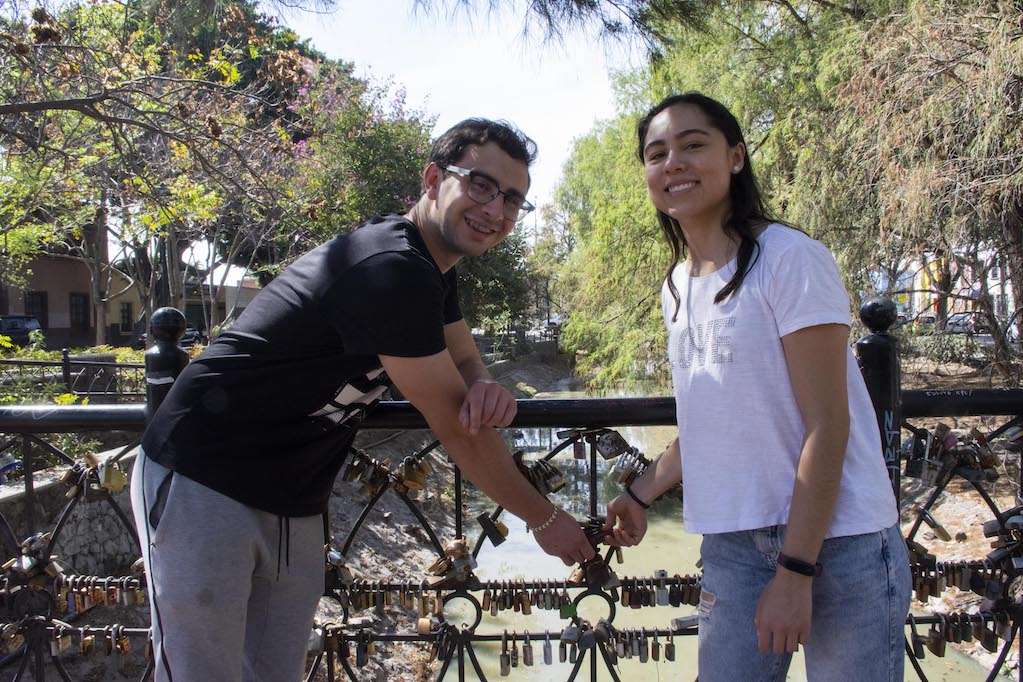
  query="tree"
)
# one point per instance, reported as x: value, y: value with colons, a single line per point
x: 611, y: 280
x: 246, y: 141
x: 494, y: 287
x: 928, y: 141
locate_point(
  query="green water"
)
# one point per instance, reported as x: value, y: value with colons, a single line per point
x: 666, y: 546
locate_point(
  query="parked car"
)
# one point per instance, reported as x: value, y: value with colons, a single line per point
x: 966, y: 323
x: 924, y: 322
x: 191, y: 337
x: 17, y: 327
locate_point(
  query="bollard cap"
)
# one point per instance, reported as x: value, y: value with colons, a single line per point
x: 879, y: 314
x: 168, y: 324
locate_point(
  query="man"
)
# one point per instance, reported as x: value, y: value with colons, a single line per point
x: 239, y: 461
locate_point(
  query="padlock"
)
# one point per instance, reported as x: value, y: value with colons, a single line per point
x: 579, y: 449
x: 494, y: 529
x: 981, y: 446
x: 587, y: 639
x: 936, y: 638
x: 610, y: 444
x: 112, y: 477
x: 661, y: 577
x: 505, y: 656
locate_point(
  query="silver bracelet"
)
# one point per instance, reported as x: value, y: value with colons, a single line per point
x: 546, y: 524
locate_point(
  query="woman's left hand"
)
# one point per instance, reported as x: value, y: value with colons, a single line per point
x: 783, y: 613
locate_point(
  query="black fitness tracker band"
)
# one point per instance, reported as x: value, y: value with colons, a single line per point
x: 799, y: 566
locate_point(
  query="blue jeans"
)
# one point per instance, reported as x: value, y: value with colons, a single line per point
x: 860, y: 604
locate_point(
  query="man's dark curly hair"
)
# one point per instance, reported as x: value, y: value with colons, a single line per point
x: 450, y: 146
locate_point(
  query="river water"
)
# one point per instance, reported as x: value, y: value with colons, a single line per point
x: 666, y: 546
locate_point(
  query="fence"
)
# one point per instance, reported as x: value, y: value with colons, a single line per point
x: 96, y: 377
x: 37, y: 589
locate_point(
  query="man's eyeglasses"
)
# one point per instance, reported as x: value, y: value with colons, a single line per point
x: 483, y: 190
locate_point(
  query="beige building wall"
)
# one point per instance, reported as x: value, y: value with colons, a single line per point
x: 51, y: 285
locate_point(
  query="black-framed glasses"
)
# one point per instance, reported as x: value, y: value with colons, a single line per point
x: 483, y: 189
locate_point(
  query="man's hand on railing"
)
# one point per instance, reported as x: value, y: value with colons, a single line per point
x: 631, y: 522
x: 487, y: 404
x: 564, y: 539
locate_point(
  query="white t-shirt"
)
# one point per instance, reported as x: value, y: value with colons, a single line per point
x: 740, y: 431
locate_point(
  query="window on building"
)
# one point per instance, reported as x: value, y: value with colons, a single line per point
x: 78, y: 308
x: 37, y: 306
x: 127, y: 319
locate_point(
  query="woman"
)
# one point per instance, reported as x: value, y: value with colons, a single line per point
x: 778, y: 442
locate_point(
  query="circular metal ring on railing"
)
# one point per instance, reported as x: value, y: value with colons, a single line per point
x: 346, y: 610
x: 597, y: 593
x: 463, y: 594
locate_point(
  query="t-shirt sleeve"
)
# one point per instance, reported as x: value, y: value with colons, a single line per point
x: 452, y: 309
x: 806, y: 288
x: 390, y: 304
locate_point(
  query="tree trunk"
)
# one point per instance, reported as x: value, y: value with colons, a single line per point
x: 96, y: 256
x: 1012, y: 253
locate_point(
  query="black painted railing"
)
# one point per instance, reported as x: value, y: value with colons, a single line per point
x: 346, y: 646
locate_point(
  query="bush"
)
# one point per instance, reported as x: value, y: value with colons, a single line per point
x: 943, y: 348
x: 32, y: 391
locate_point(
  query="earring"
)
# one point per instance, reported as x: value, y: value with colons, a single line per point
x: 736, y: 169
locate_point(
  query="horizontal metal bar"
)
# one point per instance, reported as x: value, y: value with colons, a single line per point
x: 71, y: 418
x: 962, y: 402
x: 570, y: 413
x: 79, y: 363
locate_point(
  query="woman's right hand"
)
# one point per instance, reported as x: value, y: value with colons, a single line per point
x: 631, y: 522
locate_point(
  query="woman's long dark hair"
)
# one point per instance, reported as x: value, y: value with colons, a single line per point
x: 747, y: 210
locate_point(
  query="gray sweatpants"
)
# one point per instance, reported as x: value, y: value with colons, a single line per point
x: 232, y: 589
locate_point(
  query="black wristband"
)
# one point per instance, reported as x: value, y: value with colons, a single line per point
x: 799, y: 566
x: 640, y: 502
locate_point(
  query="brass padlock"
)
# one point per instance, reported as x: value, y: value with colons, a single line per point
x: 112, y: 477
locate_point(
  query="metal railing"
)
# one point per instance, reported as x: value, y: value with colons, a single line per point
x: 346, y: 646
x: 85, y: 378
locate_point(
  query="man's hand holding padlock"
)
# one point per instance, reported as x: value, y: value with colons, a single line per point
x: 564, y: 539
x: 595, y: 572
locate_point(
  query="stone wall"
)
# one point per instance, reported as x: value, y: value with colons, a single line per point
x: 94, y: 539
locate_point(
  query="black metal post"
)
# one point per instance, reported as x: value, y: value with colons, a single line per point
x: 28, y: 466
x: 166, y: 359
x: 65, y: 364
x: 879, y: 362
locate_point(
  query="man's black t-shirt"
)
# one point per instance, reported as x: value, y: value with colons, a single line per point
x: 265, y: 415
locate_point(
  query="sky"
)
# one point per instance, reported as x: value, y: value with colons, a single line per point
x: 455, y: 66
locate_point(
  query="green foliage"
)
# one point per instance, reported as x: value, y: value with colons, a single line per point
x: 38, y: 393
x: 888, y: 130
x: 36, y: 339
x: 214, y: 124
x: 362, y: 152
x: 494, y: 287
x: 611, y: 280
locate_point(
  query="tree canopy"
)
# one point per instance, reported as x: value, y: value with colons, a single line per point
x: 889, y: 130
